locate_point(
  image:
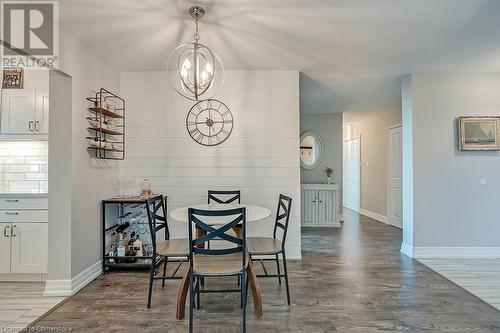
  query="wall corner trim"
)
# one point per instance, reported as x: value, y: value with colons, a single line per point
x: 373, y: 215
x: 71, y: 287
x: 407, y: 250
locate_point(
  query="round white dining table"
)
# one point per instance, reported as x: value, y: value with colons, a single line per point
x: 253, y: 213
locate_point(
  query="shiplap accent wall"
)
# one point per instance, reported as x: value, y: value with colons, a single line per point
x: 261, y: 157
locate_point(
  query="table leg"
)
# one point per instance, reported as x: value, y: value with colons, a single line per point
x: 182, y: 296
x: 256, y: 294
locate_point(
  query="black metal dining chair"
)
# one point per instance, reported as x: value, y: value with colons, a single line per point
x: 178, y: 249
x: 231, y: 260
x: 223, y: 197
x: 274, y: 246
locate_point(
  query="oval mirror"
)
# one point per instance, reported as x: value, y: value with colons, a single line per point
x: 311, y: 150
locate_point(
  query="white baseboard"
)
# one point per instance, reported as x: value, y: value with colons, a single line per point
x: 456, y: 252
x: 88, y: 275
x: 375, y: 216
x: 407, y: 250
x: 71, y: 287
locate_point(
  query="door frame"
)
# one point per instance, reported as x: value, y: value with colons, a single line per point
x: 389, y: 172
x: 344, y: 171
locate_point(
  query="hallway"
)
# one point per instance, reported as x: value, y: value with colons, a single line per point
x: 351, y: 279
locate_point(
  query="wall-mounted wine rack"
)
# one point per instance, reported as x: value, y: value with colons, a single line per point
x: 106, y: 125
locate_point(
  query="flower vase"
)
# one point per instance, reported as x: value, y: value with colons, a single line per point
x: 329, y: 180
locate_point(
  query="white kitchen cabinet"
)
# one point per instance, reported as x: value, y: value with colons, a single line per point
x: 29, y: 243
x: 5, y: 248
x: 320, y: 205
x: 25, y: 111
x: 23, y: 237
x: 18, y: 111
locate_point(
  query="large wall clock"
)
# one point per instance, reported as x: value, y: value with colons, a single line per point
x: 209, y: 122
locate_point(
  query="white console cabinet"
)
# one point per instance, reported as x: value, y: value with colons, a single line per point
x: 321, y: 205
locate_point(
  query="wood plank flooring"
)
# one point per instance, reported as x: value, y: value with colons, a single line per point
x: 21, y: 303
x: 351, y: 279
x: 480, y: 277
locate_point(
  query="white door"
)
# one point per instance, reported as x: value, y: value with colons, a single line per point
x: 18, y: 111
x: 395, y: 195
x: 41, y: 125
x: 5, y: 248
x: 352, y: 177
x: 29, y: 247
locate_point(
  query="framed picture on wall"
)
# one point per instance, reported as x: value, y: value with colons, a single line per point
x: 478, y: 133
x: 12, y: 78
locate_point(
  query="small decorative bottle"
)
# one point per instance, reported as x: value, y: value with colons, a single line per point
x: 146, y: 188
x: 121, y: 250
x: 112, y: 253
x: 138, y: 247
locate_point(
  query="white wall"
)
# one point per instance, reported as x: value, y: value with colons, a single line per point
x: 329, y: 128
x: 453, y: 214
x: 261, y: 157
x: 91, y: 180
x: 373, y: 130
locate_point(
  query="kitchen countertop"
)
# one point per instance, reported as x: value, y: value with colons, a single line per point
x: 24, y: 195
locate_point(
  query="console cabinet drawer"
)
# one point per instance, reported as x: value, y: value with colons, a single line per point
x: 23, y: 203
x: 20, y: 216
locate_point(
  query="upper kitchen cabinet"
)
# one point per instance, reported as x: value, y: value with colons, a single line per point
x: 18, y: 111
x: 26, y: 111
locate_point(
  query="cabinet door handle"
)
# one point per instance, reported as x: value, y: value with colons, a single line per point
x: 5, y: 233
x: 12, y: 200
x: 37, y: 123
x: 12, y: 231
x: 30, y: 125
x: 12, y: 213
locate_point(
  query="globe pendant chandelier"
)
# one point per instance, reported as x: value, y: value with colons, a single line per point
x: 194, y: 70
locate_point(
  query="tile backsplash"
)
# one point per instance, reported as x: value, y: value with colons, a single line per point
x: 24, y: 167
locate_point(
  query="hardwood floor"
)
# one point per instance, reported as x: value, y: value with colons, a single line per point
x: 480, y: 277
x: 352, y: 279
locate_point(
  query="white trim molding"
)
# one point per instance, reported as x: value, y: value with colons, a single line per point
x: 57, y: 288
x: 71, y: 287
x: 375, y: 216
x: 407, y: 250
x: 456, y: 252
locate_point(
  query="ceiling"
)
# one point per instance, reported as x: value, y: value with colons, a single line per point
x: 351, y: 53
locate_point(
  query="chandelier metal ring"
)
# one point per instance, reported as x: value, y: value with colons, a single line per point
x: 194, y: 70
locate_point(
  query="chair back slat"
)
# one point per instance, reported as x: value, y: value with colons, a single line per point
x: 236, y: 245
x: 220, y: 232
x: 222, y: 196
x: 157, y: 218
x: 282, y: 217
